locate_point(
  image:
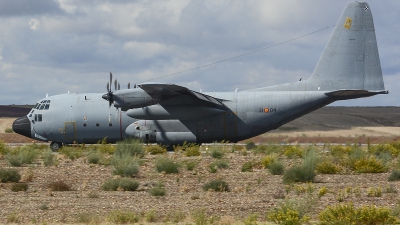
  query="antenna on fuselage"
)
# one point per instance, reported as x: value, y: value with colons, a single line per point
x: 47, y: 95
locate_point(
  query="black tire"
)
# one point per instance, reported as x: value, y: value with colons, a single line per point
x: 55, y: 146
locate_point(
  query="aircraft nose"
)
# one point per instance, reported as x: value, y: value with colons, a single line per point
x: 22, y: 126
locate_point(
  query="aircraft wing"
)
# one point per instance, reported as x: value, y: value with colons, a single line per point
x: 168, y: 91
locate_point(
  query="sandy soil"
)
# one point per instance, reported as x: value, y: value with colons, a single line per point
x: 5, y: 123
x: 353, y: 132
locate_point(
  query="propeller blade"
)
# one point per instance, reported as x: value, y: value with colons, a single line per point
x: 129, y: 85
x: 115, y: 84
x: 108, y: 88
x: 110, y: 80
x: 119, y: 87
x: 134, y: 86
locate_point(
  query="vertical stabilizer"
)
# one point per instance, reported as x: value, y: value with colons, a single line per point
x: 350, y: 59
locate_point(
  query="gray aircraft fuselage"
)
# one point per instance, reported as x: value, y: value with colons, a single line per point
x: 170, y: 114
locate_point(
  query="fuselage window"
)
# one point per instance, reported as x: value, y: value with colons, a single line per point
x: 35, y: 117
x: 84, y: 125
x: 39, y: 117
x: 110, y: 124
x: 97, y: 124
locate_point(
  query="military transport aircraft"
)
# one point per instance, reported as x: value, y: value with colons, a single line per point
x: 171, y: 114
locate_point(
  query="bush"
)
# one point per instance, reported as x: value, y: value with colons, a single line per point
x: 9, y: 130
x: 48, y: 158
x: 250, y: 145
x: 126, y: 184
x: 72, y: 152
x: 369, y: 165
x: 166, y: 165
x: 125, y: 167
x: 156, y: 149
x: 268, y: 159
x: 288, y: 214
x: 24, y: 155
x: 276, y: 168
x: 190, y: 165
x: 216, y: 185
x: 348, y: 214
x: 129, y: 148
x: 394, y: 175
x: 247, y: 166
x: 303, y: 173
x: 58, y: 186
x: 327, y: 167
x: 9, y: 175
x: 3, y: 148
x: 121, y: 217
x: 291, y: 151
x: 19, y: 187
x: 384, y: 148
x: 94, y: 158
x: 158, y: 190
x: 191, y: 149
x: 216, y: 152
x: 340, y: 151
x: 220, y: 164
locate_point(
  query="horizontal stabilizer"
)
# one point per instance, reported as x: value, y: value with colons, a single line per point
x: 350, y: 94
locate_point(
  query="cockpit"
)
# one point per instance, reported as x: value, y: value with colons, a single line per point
x: 43, y: 105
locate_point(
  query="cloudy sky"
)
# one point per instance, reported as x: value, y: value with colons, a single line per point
x: 56, y: 46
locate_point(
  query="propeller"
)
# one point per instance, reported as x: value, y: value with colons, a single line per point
x: 109, y: 96
x: 129, y: 85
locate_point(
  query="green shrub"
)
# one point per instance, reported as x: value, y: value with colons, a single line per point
x: 23, y: 155
x: 288, y: 213
x: 9, y: 130
x: 58, y: 186
x: 129, y: 148
x: 48, y: 158
x: 340, y: 151
x: 151, y: 216
x: 190, y: 165
x: 247, y: 166
x: 220, y: 164
x: 166, y: 165
x: 292, y: 151
x: 19, y: 187
x: 156, y: 149
x: 122, y: 217
x: 348, y: 214
x: 276, y: 168
x: 394, y: 175
x: 191, y: 149
x: 374, y: 192
x: 216, y: 152
x: 250, y: 145
x: 125, y: 167
x: 158, y: 190
x: 94, y: 158
x: 110, y: 185
x: 268, y: 159
x: 9, y: 175
x: 216, y: 185
x: 4, y: 149
x: 72, y: 152
x: 304, y: 172
x: 327, y: 167
x: 369, y: 165
x: 384, y: 148
x: 125, y: 184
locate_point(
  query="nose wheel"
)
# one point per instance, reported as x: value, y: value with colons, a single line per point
x: 55, y: 146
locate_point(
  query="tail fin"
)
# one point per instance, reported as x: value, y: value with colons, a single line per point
x: 350, y: 59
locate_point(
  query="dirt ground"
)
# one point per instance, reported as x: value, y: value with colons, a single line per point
x: 255, y: 192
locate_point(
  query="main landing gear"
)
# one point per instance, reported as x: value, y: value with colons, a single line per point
x: 55, y: 146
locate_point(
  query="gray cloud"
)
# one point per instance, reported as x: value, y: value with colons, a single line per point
x: 12, y: 8
x: 61, y: 45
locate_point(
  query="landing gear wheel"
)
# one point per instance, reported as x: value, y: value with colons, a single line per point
x: 54, y: 146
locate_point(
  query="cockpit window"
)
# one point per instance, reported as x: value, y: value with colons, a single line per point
x: 41, y: 106
x: 47, y: 106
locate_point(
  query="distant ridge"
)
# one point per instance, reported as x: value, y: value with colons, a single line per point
x: 14, y: 110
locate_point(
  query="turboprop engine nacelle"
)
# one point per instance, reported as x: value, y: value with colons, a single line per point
x: 170, y: 112
x: 133, y: 98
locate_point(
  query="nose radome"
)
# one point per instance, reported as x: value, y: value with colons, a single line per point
x: 22, y: 126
